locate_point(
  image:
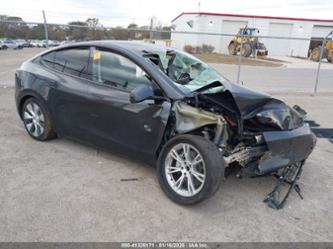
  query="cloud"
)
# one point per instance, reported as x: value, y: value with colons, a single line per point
x: 122, y: 12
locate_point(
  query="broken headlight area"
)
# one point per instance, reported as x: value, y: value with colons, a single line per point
x: 280, y: 117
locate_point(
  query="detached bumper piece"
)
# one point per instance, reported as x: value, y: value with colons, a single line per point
x: 286, y: 148
x: 288, y: 176
x: 287, y: 152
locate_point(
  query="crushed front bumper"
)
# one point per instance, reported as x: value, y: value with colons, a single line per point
x: 286, y: 148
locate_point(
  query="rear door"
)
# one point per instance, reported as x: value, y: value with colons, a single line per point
x: 69, y: 95
x: 130, y: 128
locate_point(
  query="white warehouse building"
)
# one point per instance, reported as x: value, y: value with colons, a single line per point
x: 267, y: 25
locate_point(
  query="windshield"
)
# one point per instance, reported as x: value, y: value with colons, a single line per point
x: 186, y: 72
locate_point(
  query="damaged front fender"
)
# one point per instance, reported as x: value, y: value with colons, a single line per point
x: 189, y: 118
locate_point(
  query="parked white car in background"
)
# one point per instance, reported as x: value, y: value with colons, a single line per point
x: 10, y: 44
x: 22, y: 42
x: 1, y: 44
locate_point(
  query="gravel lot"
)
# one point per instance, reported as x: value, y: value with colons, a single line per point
x: 64, y: 191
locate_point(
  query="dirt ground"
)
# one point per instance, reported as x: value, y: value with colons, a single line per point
x: 64, y: 191
x: 229, y: 59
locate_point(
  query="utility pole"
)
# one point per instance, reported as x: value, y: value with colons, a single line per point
x: 240, y: 58
x: 321, y: 57
x: 45, y: 29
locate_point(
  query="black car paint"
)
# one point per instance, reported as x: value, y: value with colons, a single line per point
x: 105, y: 116
x: 85, y: 111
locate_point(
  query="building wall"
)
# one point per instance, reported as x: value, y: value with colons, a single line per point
x: 229, y: 25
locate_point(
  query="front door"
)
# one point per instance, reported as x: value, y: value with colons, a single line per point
x: 118, y: 124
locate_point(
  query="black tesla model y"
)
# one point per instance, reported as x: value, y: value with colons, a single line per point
x: 165, y: 107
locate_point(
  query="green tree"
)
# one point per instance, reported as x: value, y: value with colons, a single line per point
x: 78, y: 31
x: 56, y: 33
x: 37, y: 32
x: 132, y: 26
x: 93, y: 23
x: 96, y: 30
x: 118, y: 33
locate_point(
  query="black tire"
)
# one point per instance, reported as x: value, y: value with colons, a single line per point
x: 4, y: 47
x: 315, y: 54
x: 330, y: 59
x: 48, y: 131
x: 232, y: 48
x: 246, y: 50
x: 213, y: 163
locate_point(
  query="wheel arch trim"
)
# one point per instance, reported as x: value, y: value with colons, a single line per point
x: 26, y: 94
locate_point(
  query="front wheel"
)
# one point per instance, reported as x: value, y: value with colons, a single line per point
x: 246, y: 50
x: 190, y: 169
x: 315, y: 54
x: 232, y: 49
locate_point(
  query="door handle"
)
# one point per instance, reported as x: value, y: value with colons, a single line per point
x: 147, y: 127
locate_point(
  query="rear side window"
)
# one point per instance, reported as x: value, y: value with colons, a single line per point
x: 74, y: 61
x: 48, y: 59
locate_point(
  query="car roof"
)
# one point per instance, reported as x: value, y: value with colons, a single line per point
x: 137, y: 47
x: 132, y: 49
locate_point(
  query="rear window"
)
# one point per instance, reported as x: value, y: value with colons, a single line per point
x: 74, y: 61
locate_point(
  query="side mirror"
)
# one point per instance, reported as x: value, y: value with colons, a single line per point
x: 141, y: 93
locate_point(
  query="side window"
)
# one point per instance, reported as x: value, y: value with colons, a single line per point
x: 48, y: 59
x: 74, y: 61
x: 115, y: 70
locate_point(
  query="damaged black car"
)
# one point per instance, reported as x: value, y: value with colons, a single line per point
x: 167, y: 108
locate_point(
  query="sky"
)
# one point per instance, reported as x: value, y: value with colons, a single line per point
x: 122, y: 12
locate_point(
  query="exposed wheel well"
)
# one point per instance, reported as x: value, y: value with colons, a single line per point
x: 21, y: 103
x: 26, y: 96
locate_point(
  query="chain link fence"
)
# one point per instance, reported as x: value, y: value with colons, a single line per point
x: 281, y: 69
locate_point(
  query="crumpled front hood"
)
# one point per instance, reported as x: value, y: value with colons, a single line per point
x: 249, y: 103
x: 247, y: 100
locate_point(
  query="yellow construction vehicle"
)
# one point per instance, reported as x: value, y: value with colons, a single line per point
x: 246, y: 42
x: 327, y: 53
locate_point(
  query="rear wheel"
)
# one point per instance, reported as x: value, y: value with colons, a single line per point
x: 246, y: 50
x: 330, y: 58
x: 232, y: 48
x: 190, y: 169
x: 37, y: 120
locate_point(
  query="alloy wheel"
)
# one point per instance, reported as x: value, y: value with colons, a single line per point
x: 34, y: 120
x: 185, y: 170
